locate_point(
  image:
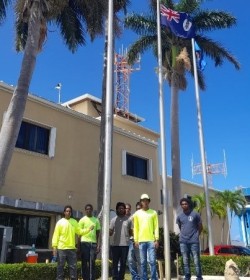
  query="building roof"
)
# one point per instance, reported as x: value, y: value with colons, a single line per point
x: 88, y: 97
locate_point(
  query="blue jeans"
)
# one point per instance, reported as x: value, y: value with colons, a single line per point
x: 134, y: 261
x: 147, y: 249
x: 69, y: 256
x: 188, y: 249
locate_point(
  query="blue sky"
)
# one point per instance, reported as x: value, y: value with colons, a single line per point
x: 225, y: 103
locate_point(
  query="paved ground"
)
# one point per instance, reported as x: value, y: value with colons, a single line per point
x: 211, y: 278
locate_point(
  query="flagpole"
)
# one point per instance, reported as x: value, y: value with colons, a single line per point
x: 163, y: 152
x: 108, y: 146
x: 203, y: 155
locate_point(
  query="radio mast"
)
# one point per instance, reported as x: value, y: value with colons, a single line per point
x: 123, y: 71
x: 211, y: 169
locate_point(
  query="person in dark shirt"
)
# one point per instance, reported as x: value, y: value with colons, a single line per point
x: 190, y: 226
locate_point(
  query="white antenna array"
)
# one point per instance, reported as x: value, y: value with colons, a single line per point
x: 211, y: 169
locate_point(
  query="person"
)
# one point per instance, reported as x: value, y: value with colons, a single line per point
x: 133, y: 253
x: 190, y: 226
x: 90, y: 243
x: 64, y: 241
x: 146, y: 236
x: 128, y: 209
x: 120, y: 229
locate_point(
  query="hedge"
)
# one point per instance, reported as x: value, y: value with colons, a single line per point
x: 39, y: 271
x: 215, y: 265
x: 211, y: 265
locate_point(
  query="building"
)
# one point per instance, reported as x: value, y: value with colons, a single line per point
x: 244, y: 222
x: 55, y: 163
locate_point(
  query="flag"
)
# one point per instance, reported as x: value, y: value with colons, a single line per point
x: 179, y: 23
x: 201, y: 63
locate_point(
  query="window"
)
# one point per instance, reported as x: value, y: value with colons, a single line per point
x: 137, y: 166
x: 27, y: 229
x: 36, y: 138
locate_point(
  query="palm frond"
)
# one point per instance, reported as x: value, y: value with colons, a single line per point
x: 121, y: 5
x: 3, y: 7
x: 26, y: 12
x: 93, y: 16
x: 213, y: 20
x: 21, y: 34
x: 187, y: 6
x: 72, y: 31
x: 140, y: 46
x: 216, y: 51
x: 140, y: 24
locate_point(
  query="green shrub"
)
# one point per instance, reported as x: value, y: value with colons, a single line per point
x: 174, y: 245
x: 215, y: 265
x: 39, y: 271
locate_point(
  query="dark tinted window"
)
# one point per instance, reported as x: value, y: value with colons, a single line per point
x: 225, y: 250
x: 27, y: 229
x: 33, y: 138
x: 137, y: 167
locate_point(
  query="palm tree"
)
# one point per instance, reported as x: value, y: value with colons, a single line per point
x: 204, y: 237
x: 234, y: 203
x: 199, y: 202
x: 118, y: 6
x: 219, y: 209
x: 175, y: 66
x: 32, y: 17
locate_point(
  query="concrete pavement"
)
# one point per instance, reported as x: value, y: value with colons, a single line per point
x: 209, y: 277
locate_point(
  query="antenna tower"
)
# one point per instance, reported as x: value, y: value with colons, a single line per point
x: 211, y: 169
x: 122, y: 81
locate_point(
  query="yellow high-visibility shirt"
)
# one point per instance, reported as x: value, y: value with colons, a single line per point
x: 146, y: 225
x: 64, y: 236
x: 85, y: 223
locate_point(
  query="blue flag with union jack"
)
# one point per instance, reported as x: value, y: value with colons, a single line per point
x: 179, y: 23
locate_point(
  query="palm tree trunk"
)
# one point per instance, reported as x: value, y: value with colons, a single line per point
x: 229, y: 229
x: 175, y: 153
x: 102, y: 127
x: 14, y: 115
x: 222, y: 232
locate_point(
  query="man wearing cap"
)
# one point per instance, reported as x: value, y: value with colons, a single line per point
x: 146, y: 236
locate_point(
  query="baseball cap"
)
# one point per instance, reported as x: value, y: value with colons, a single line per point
x: 145, y: 196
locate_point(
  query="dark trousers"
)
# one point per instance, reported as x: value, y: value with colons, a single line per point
x: 88, y: 257
x: 69, y: 256
x: 119, y: 255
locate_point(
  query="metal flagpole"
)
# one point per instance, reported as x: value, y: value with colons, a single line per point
x: 163, y: 152
x: 108, y: 146
x: 203, y: 155
x: 59, y: 87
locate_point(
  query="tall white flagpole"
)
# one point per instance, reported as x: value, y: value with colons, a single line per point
x: 108, y: 145
x: 203, y: 155
x: 163, y: 152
